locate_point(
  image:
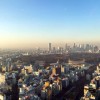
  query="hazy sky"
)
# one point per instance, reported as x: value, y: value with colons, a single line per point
x: 34, y: 22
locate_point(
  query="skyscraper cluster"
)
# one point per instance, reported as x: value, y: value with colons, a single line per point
x: 75, y: 48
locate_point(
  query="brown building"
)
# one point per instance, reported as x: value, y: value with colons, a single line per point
x: 56, y: 70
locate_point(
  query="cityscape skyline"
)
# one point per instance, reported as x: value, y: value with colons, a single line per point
x: 56, y: 46
x: 32, y: 23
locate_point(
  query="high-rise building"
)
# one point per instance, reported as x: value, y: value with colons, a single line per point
x: 8, y: 64
x: 74, y: 45
x: 87, y: 47
x: 50, y: 48
x: 56, y: 70
x: 96, y: 49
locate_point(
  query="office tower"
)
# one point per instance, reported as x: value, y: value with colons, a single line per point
x: 50, y: 47
x: 56, y: 70
x: 8, y: 64
x: 74, y: 45
x: 87, y: 47
x: 96, y: 49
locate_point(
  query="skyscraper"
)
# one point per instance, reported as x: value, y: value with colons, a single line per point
x: 74, y: 45
x: 50, y: 48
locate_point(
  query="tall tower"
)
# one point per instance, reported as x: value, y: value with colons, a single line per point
x: 8, y: 64
x: 74, y: 45
x: 50, y: 48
